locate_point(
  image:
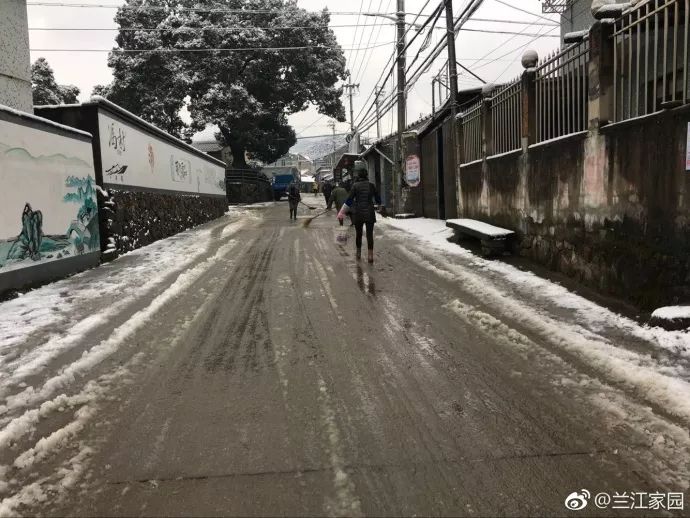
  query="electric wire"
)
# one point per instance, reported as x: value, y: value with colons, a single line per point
x: 356, y: 74
x: 354, y: 36
x: 503, y: 2
x: 391, y: 59
x: 209, y: 28
x: 235, y: 49
x: 185, y: 9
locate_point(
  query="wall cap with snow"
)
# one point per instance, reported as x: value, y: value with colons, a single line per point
x: 42, y: 123
x: 103, y: 103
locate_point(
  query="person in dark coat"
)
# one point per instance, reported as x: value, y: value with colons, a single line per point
x: 338, y: 198
x: 362, y: 200
x: 327, y: 190
x: 294, y: 197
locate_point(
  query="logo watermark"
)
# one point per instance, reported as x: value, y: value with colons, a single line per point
x: 655, y: 501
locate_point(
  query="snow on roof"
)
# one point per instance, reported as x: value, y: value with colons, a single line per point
x: 480, y: 226
x: 207, y: 146
x: 672, y: 313
x: 47, y: 122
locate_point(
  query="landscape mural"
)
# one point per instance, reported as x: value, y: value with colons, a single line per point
x: 52, y: 212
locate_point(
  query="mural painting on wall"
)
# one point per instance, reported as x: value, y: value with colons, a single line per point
x: 212, y: 180
x: 134, y: 158
x: 152, y: 159
x: 117, y: 141
x: 180, y: 170
x: 53, y: 215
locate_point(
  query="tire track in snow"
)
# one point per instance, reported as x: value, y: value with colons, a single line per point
x: 87, y: 402
x: 671, y: 443
x: 37, y: 359
x: 98, y: 353
x: 347, y: 503
x: 627, y: 368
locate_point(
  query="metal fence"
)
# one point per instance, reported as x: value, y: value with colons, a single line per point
x: 472, y: 132
x: 506, y: 118
x: 247, y: 186
x: 650, y: 45
x: 561, y: 92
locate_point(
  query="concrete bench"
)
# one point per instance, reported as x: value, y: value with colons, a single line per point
x: 494, y: 240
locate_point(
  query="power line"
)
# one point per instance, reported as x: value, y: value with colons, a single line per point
x: 214, y: 28
x: 515, y: 59
x: 237, y: 49
x: 524, y: 10
x: 422, y: 48
x: 355, y: 76
x: 528, y: 34
x: 516, y: 49
x: 183, y: 9
x: 354, y: 36
x: 378, y: 33
x: 467, y: 12
x: 391, y: 59
x: 496, y: 20
x: 228, y: 29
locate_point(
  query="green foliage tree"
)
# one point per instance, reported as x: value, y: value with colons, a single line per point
x: 247, y: 92
x: 44, y: 88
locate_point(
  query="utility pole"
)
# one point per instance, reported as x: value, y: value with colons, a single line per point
x: 377, y: 102
x: 433, y: 96
x: 351, y: 89
x: 452, y: 62
x: 402, y: 108
x: 453, y: 85
x: 331, y: 124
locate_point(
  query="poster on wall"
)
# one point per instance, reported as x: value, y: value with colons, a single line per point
x: 687, y: 150
x: 135, y: 158
x: 50, y: 213
x: 412, y: 171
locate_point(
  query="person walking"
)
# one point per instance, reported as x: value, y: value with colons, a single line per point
x: 338, y: 198
x: 361, y: 200
x: 327, y: 190
x: 294, y: 197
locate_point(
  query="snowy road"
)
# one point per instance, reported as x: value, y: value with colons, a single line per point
x: 253, y: 367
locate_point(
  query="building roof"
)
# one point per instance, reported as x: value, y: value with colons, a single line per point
x: 208, y: 146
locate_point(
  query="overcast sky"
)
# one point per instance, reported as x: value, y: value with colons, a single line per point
x: 499, y: 54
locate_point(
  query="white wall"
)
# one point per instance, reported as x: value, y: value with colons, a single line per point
x: 134, y: 158
x: 54, y: 174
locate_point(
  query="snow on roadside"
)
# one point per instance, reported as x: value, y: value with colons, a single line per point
x: 589, y: 314
x: 85, y: 404
x: 496, y: 284
x: 672, y: 313
x: 69, y: 309
x: 107, y: 347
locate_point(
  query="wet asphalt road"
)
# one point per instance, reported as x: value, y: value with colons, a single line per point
x: 290, y: 379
